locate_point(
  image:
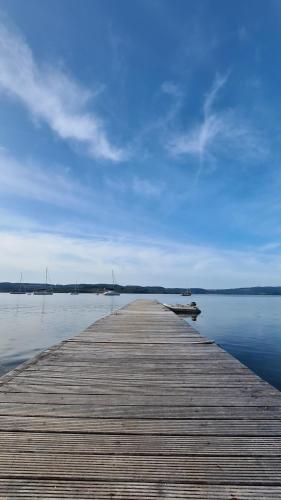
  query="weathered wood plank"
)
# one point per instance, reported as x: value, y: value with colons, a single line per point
x: 106, y: 411
x: 194, y: 397
x: 87, y: 386
x: 120, y: 444
x: 258, y: 471
x: 144, y: 370
x: 178, y: 427
x: 255, y: 388
x: 44, y: 489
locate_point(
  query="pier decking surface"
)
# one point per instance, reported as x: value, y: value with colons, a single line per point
x: 139, y: 406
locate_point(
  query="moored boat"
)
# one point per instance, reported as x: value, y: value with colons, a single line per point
x: 112, y: 291
x: 75, y: 291
x: 47, y: 290
x: 184, y: 308
x: 43, y: 291
x: 20, y: 290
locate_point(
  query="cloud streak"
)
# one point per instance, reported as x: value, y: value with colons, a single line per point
x: 91, y: 260
x: 220, y: 133
x: 53, y: 97
x: 140, y: 186
x: 27, y: 181
x: 69, y: 205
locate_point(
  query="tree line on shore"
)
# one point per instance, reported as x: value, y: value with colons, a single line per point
x: 6, y: 287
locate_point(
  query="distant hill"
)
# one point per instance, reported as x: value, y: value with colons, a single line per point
x: 100, y: 287
x: 89, y: 288
x: 254, y: 290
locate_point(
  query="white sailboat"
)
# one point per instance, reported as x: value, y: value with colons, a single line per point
x: 76, y: 290
x: 46, y: 290
x: 112, y: 292
x: 20, y: 290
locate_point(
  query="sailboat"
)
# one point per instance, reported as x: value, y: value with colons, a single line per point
x: 187, y: 293
x: 76, y: 290
x: 46, y: 290
x: 20, y: 290
x: 112, y: 292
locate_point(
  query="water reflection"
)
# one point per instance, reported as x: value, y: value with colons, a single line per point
x: 112, y: 305
x: 192, y: 316
x: 17, y: 307
x: 43, y: 307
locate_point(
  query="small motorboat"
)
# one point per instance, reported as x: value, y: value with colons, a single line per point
x: 184, y: 308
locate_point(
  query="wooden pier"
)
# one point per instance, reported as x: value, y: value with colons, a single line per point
x: 139, y: 406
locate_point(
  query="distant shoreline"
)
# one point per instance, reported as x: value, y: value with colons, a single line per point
x: 7, y: 287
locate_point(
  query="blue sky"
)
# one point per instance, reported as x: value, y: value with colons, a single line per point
x: 142, y: 136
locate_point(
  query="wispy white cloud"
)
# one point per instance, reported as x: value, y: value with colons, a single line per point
x: 200, y: 137
x: 222, y: 132
x: 151, y: 262
x: 243, y: 34
x: 171, y: 88
x: 147, y: 187
x: 52, y: 96
x: 140, y: 186
x: 69, y: 206
x: 11, y: 220
x: 33, y: 182
x: 218, y: 84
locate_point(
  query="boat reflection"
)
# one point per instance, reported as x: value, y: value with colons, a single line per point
x: 193, y: 316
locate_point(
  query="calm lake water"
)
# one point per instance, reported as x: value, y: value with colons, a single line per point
x: 248, y: 327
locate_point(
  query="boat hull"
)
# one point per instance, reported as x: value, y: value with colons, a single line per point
x: 182, y: 309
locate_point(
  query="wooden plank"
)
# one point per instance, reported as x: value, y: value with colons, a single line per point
x: 172, y: 412
x: 44, y: 489
x: 147, y: 370
x: 120, y: 444
x: 87, y: 386
x: 98, y: 388
x: 256, y: 471
x: 197, y: 397
x: 178, y: 427
x: 141, y: 365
